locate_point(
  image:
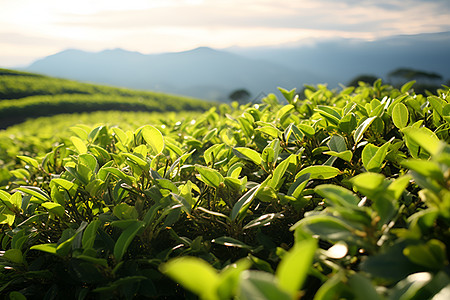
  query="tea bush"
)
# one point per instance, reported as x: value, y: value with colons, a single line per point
x: 27, y: 95
x: 337, y: 195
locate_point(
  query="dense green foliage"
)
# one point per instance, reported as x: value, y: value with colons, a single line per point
x: 27, y: 95
x: 337, y: 195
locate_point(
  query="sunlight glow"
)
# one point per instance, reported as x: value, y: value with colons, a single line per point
x: 178, y: 25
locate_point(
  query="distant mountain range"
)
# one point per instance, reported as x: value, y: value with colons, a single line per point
x: 213, y: 74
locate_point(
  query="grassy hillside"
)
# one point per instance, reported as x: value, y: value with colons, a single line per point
x: 27, y: 95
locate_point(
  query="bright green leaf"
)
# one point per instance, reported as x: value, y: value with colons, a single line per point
x: 28, y: 160
x: 54, y: 208
x: 49, y: 248
x: 154, y: 138
x: 248, y: 154
x: 209, y: 176
x: 79, y: 144
x: 345, y: 155
x: 294, y: 266
x: 424, y: 137
x: 319, y: 172
x: 400, y: 115
x: 195, y: 275
x: 362, y: 128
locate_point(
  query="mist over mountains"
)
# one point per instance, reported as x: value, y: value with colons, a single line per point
x: 213, y: 74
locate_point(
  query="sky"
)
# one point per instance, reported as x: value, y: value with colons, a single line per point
x: 31, y: 29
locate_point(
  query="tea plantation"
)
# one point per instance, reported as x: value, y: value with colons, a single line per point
x: 27, y: 95
x: 331, y: 195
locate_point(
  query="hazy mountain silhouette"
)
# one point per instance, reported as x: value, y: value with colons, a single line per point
x: 338, y: 61
x: 201, y: 72
x: 213, y: 74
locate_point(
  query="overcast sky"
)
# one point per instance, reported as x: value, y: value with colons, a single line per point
x: 30, y: 29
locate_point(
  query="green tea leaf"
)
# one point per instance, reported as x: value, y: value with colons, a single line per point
x: 429, y: 169
x: 327, y: 227
x: 348, y: 123
x: 229, y: 278
x: 35, y: 192
x: 13, y: 255
x: 260, y: 285
x: 235, y: 170
x: 345, y: 155
x: 373, y: 156
x: 54, y: 208
x: 294, y: 266
x: 28, y: 160
x: 400, y: 115
x: 49, y: 248
x: 154, y: 138
x: 263, y: 220
x: 65, y: 184
x: 337, y: 195
x: 337, y: 143
x: 279, y: 172
x: 5, y: 199
x: 124, y: 211
x: 125, y: 239
x: 368, y: 183
x: 362, y: 128
x: 424, y: 137
x: 319, y: 172
x: 16, y: 200
x: 248, y: 154
x: 288, y: 95
x: 194, y: 274
x: 80, y: 146
x: 90, y: 233
x: 362, y: 288
x: 430, y: 255
x: 297, y: 187
x: 14, y: 295
x: 269, y: 130
x: 137, y: 160
x: 231, y: 242
x: 407, y: 86
x: 307, y: 129
x: 118, y: 173
x: 244, y: 202
x: 209, y: 176
x: 329, y: 114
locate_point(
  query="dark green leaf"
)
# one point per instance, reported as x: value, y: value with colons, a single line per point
x: 337, y: 195
x: 125, y: 239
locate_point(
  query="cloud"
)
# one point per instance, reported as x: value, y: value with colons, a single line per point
x: 349, y: 15
x: 174, y: 25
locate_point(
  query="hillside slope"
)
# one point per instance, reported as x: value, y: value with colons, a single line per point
x: 27, y: 95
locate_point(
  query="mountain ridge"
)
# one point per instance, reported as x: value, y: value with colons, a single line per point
x: 176, y: 72
x: 212, y: 74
